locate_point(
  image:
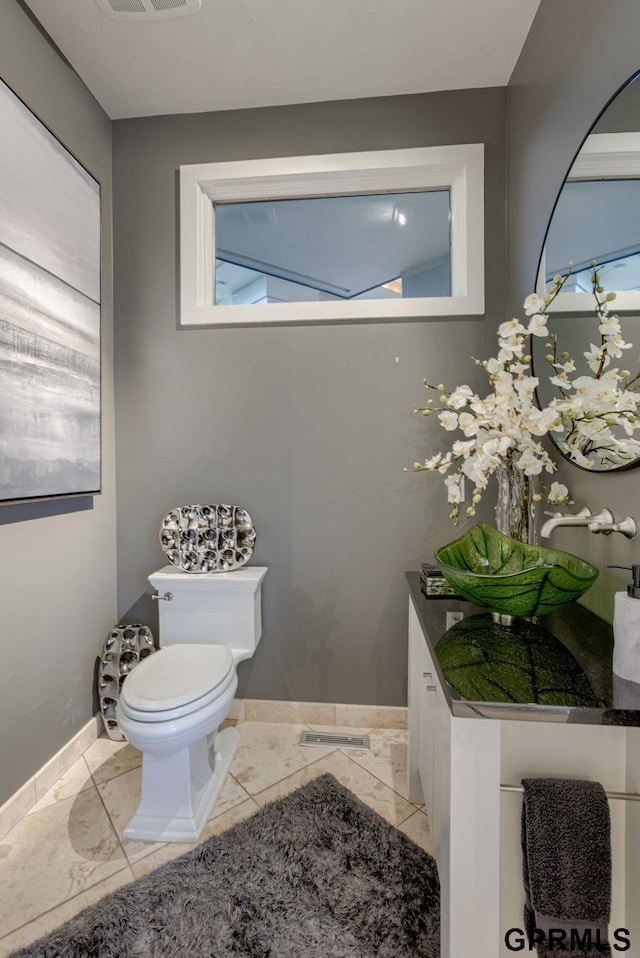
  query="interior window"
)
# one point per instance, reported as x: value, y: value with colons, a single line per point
x: 380, y: 246
x: 387, y: 236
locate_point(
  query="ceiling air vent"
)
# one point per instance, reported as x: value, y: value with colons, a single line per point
x: 148, y: 9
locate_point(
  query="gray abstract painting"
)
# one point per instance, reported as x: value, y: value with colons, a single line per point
x: 49, y: 313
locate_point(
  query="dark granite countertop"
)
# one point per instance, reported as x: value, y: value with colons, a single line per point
x: 557, y: 670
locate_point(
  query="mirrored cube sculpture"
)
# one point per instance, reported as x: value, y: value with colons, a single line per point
x: 208, y: 538
x: 124, y: 648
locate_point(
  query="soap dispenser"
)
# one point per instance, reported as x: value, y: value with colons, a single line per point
x: 626, y: 628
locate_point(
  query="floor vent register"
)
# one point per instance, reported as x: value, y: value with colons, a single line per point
x: 334, y: 740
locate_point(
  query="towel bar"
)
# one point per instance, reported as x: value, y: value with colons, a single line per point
x: 624, y: 796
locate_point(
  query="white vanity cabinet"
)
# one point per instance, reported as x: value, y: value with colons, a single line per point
x: 449, y: 767
x: 428, y: 729
x: 460, y: 752
x: 422, y: 699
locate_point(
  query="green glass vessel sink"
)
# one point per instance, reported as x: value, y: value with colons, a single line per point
x: 511, y: 577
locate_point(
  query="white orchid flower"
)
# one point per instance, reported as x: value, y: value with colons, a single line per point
x: 576, y: 456
x: 530, y: 464
x: 533, y: 304
x: 448, y: 420
x: 549, y: 420
x: 490, y: 451
x: 615, y: 344
x: 510, y: 348
x: 503, y: 383
x: 454, y: 492
x: 511, y: 329
x: 596, y: 416
x: 558, y: 494
x: 597, y: 391
x: 594, y: 358
x: 525, y: 386
x: 475, y: 468
x: 609, y: 326
x: 468, y: 424
x: 462, y: 447
x: 538, y: 326
x: 568, y: 367
x: 459, y: 397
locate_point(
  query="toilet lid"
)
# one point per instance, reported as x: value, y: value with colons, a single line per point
x: 177, y: 676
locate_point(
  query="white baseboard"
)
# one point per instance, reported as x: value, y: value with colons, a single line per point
x: 21, y: 803
x: 319, y: 713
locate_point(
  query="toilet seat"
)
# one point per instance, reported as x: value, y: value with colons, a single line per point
x: 177, y: 681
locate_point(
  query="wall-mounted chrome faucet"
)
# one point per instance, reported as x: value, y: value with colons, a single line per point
x: 602, y: 522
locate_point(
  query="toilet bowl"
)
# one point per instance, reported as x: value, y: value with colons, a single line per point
x: 173, y: 703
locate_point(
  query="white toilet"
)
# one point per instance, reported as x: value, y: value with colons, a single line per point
x: 173, y: 702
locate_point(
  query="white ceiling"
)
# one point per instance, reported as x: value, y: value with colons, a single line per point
x: 250, y: 53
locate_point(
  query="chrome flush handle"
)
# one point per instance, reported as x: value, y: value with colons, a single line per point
x: 167, y: 596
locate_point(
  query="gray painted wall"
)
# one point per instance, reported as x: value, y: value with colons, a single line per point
x: 577, y: 55
x: 57, y: 560
x: 307, y: 427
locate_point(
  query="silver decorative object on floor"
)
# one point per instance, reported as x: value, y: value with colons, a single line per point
x: 124, y: 647
x: 211, y: 538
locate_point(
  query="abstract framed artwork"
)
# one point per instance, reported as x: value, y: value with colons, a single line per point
x: 49, y: 313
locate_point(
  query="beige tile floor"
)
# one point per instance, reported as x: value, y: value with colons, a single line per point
x: 68, y: 852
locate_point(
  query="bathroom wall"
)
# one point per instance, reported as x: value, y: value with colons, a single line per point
x: 57, y: 559
x: 307, y: 427
x: 577, y: 55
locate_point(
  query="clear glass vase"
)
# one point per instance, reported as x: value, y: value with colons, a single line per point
x: 515, y: 507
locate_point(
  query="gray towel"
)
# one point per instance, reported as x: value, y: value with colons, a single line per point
x: 566, y: 850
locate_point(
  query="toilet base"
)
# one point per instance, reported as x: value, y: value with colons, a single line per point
x: 180, y: 788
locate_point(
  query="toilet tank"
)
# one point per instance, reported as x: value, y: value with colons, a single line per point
x: 224, y: 608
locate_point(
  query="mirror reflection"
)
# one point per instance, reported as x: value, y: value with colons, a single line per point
x: 596, y: 213
x: 592, y: 379
x: 596, y: 220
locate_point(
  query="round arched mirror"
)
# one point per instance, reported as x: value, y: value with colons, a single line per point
x: 596, y: 219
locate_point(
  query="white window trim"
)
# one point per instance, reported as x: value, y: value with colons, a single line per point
x: 458, y: 168
x: 605, y: 156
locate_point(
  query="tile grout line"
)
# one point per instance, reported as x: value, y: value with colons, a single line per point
x: 296, y: 772
x: 107, y: 813
x: 240, y: 785
x: 110, y: 818
x: 390, y: 787
x: 111, y: 777
x: 127, y: 865
x: 355, y: 761
x: 66, y: 901
x: 366, y: 770
x: 310, y: 726
x: 345, y: 752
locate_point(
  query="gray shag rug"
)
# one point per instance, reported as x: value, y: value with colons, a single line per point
x: 316, y: 874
